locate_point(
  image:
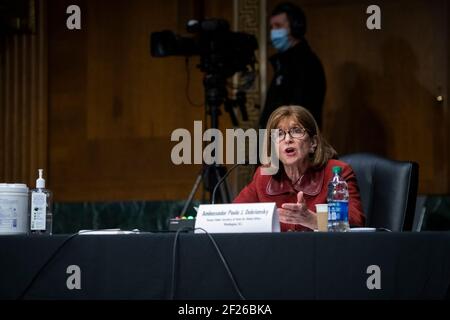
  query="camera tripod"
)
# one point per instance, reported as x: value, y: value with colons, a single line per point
x: 210, y: 174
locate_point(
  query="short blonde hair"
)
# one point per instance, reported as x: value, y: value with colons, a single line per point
x: 324, y: 150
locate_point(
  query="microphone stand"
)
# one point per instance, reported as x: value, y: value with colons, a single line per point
x: 213, y: 197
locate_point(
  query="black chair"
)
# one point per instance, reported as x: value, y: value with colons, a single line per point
x: 388, y: 190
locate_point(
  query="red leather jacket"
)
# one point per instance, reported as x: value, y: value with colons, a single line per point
x: 278, y: 188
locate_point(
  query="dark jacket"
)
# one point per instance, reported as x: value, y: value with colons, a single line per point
x: 299, y: 79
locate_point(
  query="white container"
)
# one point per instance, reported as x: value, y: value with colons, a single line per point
x: 13, y: 208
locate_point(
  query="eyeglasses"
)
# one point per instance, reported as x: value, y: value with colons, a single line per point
x: 294, y: 132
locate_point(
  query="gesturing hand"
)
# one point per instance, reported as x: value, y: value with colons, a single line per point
x: 298, y: 213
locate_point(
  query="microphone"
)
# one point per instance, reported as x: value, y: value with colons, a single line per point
x: 213, y: 197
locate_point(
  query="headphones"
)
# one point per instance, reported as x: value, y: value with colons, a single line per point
x: 296, y: 17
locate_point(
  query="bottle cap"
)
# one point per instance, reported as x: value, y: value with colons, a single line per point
x: 337, y: 170
x: 40, y: 182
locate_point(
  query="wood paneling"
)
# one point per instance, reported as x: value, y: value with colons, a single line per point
x: 250, y: 18
x: 382, y: 84
x: 113, y: 107
x: 23, y: 102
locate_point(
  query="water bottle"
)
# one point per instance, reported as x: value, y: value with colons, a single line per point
x: 337, y: 202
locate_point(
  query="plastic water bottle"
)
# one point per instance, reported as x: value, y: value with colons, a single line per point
x: 337, y: 202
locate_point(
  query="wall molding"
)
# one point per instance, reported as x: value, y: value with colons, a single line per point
x: 24, y: 102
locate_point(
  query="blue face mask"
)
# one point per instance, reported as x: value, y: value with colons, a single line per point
x: 280, y: 39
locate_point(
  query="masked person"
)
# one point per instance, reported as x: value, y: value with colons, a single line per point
x: 299, y: 78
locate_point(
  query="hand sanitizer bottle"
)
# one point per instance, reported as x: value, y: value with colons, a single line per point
x: 41, y: 208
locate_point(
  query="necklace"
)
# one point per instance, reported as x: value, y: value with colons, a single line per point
x: 294, y: 183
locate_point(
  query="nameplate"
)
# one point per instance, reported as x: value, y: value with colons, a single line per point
x: 238, y: 218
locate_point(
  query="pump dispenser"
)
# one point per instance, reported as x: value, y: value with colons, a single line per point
x: 40, y: 182
x: 41, y: 208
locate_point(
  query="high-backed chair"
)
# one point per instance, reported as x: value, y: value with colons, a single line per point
x: 388, y: 190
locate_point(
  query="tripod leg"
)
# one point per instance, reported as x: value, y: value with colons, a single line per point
x: 193, y: 191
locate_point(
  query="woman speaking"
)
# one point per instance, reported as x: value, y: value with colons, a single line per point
x: 305, y: 171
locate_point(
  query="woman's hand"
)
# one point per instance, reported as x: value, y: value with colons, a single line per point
x: 298, y: 213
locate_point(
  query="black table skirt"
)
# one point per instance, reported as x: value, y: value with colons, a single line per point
x: 266, y: 266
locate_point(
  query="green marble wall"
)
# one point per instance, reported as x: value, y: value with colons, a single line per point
x: 142, y: 215
x: 432, y: 213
